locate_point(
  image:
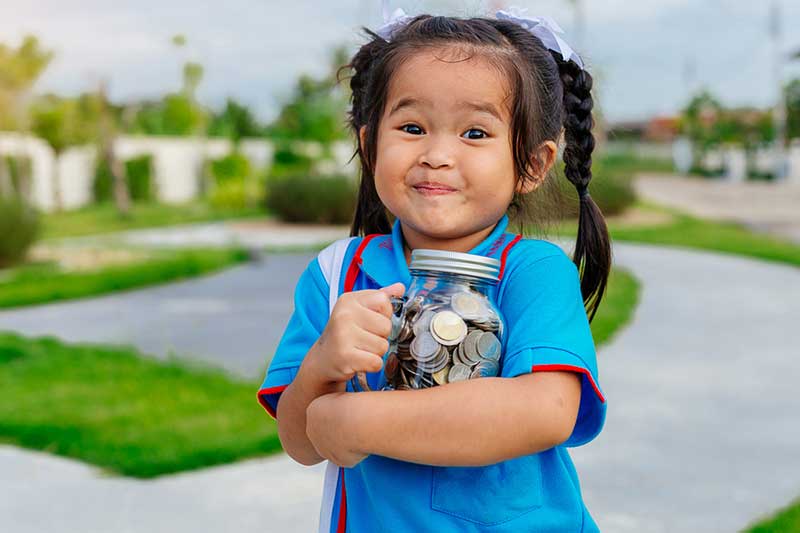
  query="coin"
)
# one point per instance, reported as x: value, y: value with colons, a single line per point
x: 470, y: 347
x: 458, y: 373
x: 390, y: 367
x: 448, y: 328
x: 424, y: 347
x: 440, y: 377
x: 423, y: 321
x: 489, y: 346
x: 484, y: 369
x: 467, y: 305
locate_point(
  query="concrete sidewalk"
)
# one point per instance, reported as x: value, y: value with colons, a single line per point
x: 767, y: 207
x: 701, y: 432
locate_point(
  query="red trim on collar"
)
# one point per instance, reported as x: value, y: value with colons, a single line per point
x: 505, y: 253
x: 355, y: 264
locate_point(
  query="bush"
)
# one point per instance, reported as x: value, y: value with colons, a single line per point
x: 138, y: 176
x: 19, y: 171
x: 233, y: 185
x: 610, y: 188
x: 234, y: 166
x: 19, y: 228
x: 314, y: 199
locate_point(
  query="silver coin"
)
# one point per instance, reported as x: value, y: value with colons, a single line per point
x: 470, y: 347
x: 458, y: 373
x: 424, y: 347
x: 489, y: 346
x: 423, y: 321
x: 484, y: 369
x: 468, y: 305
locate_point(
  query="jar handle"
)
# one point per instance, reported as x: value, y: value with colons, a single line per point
x: 359, y: 380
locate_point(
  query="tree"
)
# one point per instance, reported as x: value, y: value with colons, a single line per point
x: 317, y: 109
x: 19, y: 69
x: 793, y: 109
x: 64, y: 122
x: 234, y: 122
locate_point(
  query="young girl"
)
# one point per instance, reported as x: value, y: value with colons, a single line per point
x: 457, y: 121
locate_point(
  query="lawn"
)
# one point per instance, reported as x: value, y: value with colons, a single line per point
x: 141, y: 417
x: 784, y: 521
x: 129, y: 414
x: 103, y: 218
x: 41, y: 283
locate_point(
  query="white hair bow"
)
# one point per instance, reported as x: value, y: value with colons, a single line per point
x: 545, y: 28
x: 393, y: 22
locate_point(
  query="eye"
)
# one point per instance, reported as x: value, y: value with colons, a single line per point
x: 475, y: 134
x: 413, y: 129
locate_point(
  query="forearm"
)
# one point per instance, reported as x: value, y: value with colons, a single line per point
x: 469, y: 423
x: 291, y: 413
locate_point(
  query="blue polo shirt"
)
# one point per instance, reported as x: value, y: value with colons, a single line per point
x: 546, y: 330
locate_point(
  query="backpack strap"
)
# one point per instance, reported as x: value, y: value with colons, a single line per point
x: 331, y: 262
x: 355, y: 264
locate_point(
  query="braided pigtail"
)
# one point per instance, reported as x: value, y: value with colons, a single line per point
x: 370, y: 215
x: 593, y: 247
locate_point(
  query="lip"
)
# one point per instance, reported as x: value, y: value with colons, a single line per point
x: 432, y: 188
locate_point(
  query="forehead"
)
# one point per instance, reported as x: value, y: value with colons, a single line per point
x: 448, y: 77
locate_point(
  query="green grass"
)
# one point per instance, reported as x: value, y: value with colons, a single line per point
x: 140, y: 417
x: 784, y: 521
x: 129, y: 414
x: 44, y: 283
x: 617, y: 307
x: 686, y: 231
x: 103, y: 218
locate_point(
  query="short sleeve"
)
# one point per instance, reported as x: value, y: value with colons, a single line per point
x: 547, y: 330
x: 305, y: 326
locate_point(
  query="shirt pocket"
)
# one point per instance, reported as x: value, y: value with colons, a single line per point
x: 488, y: 495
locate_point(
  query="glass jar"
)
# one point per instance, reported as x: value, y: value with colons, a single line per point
x: 446, y: 327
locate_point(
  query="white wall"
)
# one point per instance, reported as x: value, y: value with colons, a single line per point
x: 177, y: 165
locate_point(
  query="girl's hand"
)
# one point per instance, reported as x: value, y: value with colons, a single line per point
x: 356, y: 336
x: 329, y: 430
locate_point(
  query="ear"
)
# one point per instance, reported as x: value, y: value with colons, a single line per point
x: 541, y: 163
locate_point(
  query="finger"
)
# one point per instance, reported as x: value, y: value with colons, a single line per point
x: 364, y: 361
x: 396, y: 289
x: 376, y: 300
x: 375, y: 323
x: 371, y: 343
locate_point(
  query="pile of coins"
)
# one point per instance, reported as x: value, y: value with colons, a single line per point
x: 442, y: 338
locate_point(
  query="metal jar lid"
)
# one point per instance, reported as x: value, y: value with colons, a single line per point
x: 456, y: 263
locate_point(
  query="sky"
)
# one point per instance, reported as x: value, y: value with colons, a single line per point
x: 646, y: 56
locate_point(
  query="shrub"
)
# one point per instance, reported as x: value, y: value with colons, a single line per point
x: 610, y: 188
x: 19, y: 228
x: 232, y: 183
x: 314, y: 199
x: 138, y: 176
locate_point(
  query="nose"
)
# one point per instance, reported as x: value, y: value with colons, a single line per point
x: 436, y: 153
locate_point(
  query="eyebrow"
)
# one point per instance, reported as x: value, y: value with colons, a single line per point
x: 481, y: 107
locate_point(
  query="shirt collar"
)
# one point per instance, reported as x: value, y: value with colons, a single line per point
x: 384, y: 258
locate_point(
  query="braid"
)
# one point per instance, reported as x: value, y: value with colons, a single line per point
x: 370, y: 215
x: 593, y: 247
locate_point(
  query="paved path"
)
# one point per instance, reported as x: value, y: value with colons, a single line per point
x: 702, y: 431
x: 233, y: 319
x: 763, y: 206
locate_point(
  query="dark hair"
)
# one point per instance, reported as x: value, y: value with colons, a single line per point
x: 548, y: 94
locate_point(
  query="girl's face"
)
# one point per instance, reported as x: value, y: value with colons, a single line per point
x: 444, y: 162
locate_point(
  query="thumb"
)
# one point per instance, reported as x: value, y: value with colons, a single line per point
x: 395, y: 289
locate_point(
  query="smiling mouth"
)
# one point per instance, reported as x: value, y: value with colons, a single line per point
x: 433, y: 189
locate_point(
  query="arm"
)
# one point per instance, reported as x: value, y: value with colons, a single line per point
x: 469, y: 423
x: 291, y: 413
